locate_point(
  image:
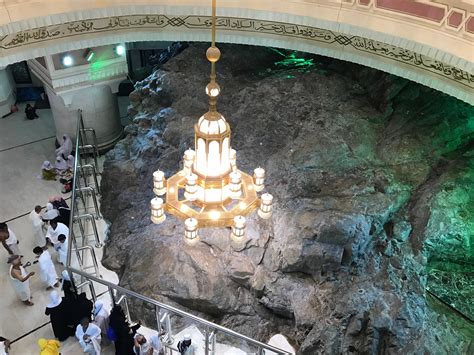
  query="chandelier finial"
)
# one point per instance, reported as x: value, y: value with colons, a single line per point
x: 213, y: 54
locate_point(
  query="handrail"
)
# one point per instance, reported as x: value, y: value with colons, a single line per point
x: 94, y: 258
x: 73, y: 193
x: 94, y: 198
x: 94, y: 152
x: 209, y: 326
x: 94, y: 175
x: 200, y: 321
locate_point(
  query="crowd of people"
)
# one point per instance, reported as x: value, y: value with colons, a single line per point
x: 71, y: 314
x: 63, y: 167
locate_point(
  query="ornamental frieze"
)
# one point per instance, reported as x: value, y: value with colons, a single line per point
x: 234, y: 24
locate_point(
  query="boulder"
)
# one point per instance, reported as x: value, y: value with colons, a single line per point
x: 371, y: 176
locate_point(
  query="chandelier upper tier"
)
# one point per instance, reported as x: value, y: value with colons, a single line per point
x: 210, y: 191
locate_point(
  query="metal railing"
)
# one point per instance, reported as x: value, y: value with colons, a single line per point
x: 164, y: 314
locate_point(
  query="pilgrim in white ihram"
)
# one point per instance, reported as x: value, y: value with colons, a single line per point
x: 53, y: 234
x: 89, y: 337
x: 37, y: 225
x: 22, y: 289
x: 47, y: 270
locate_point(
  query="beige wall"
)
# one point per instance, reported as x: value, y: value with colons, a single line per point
x: 347, y: 16
x: 423, y: 49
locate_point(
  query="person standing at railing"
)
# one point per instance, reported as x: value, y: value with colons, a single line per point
x: 185, y: 347
x: 101, y: 319
x: 89, y: 337
x: 150, y: 346
x: 123, y: 331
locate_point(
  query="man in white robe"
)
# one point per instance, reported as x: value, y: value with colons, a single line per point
x: 9, y: 240
x: 185, y: 346
x: 150, y: 346
x: 37, y: 226
x: 54, y: 230
x: 61, y: 248
x: 46, y: 267
x: 19, y: 279
x: 89, y: 337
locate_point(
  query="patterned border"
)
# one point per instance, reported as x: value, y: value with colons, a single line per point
x: 158, y: 22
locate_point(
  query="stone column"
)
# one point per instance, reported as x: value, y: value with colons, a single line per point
x: 99, y: 111
x: 7, y: 94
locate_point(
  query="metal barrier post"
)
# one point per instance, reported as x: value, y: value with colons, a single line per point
x: 165, y: 318
x: 94, y: 175
x: 94, y: 199
x: 94, y: 259
x: 212, y: 344
x: 112, y: 295
x: 89, y: 218
x: 123, y: 299
x: 86, y: 147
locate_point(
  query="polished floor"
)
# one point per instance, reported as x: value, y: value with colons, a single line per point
x: 24, y: 145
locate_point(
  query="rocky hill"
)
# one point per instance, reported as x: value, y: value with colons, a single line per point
x: 372, y: 177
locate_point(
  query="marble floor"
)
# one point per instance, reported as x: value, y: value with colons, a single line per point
x: 24, y: 145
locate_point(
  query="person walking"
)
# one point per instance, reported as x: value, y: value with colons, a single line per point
x: 49, y: 346
x: 37, y: 226
x: 46, y: 267
x: 9, y: 240
x: 89, y: 337
x: 19, y: 279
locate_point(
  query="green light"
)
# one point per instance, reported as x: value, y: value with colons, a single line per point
x: 90, y: 55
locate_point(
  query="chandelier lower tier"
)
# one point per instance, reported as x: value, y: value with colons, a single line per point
x: 210, y: 191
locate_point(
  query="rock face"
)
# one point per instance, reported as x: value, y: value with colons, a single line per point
x: 371, y: 174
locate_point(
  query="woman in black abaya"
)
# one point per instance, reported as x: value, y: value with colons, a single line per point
x: 57, y: 313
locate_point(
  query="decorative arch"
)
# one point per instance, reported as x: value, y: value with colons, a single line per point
x: 320, y: 32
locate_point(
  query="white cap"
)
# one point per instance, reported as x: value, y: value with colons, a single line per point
x: 187, y: 337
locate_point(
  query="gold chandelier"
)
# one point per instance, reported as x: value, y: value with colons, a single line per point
x: 210, y: 191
